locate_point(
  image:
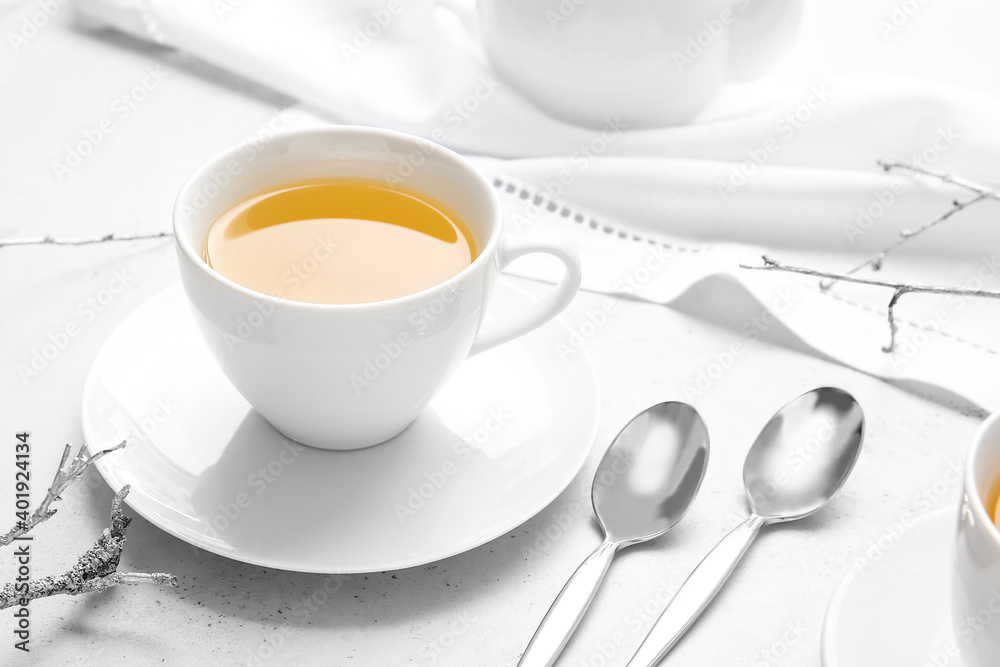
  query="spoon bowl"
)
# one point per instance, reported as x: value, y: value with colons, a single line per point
x: 651, y: 472
x: 644, y: 484
x: 804, y: 455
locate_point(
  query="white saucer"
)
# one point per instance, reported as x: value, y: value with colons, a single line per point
x: 897, y: 609
x: 208, y: 469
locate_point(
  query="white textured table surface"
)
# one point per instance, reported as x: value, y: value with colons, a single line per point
x: 478, y: 608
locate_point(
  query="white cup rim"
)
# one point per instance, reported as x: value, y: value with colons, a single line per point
x: 988, y: 434
x: 219, y: 161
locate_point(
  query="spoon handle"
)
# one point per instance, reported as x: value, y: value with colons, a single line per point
x: 695, y: 593
x: 568, y: 608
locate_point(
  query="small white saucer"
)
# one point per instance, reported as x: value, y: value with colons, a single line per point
x: 499, y: 442
x: 897, y: 609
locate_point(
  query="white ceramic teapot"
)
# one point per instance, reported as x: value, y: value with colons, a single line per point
x: 649, y: 62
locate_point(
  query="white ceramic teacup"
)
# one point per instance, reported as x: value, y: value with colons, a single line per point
x: 646, y: 63
x: 348, y: 376
x: 976, y: 572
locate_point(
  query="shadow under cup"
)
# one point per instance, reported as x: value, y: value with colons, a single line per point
x: 976, y: 564
x: 338, y: 376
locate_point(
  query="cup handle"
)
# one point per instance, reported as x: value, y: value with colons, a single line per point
x: 543, y: 310
x: 763, y: 35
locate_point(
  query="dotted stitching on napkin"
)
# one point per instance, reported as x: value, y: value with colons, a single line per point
x: 149, y: 22
x: 552, y: 205
x: 902, y: 320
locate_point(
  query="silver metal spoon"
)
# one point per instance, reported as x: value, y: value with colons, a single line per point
x: 796, y: 466
x: 644, y: 484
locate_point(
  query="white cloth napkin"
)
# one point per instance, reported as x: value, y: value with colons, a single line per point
x: 791, y: 170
